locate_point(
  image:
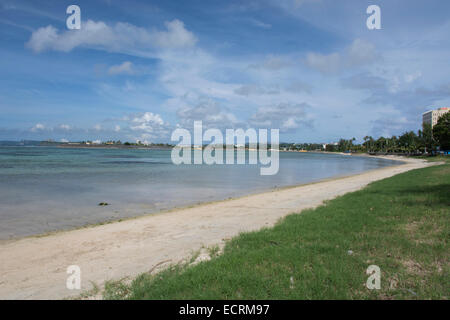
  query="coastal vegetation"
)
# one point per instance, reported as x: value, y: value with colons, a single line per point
x: 428, y: 140
x: 424, y: 141
x: 400, y: 224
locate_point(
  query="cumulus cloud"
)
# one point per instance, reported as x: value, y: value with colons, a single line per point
x: 125, y: 68
x: 42, y: 38
x: 147, y: 121
x: 359, y: 53
x: 324, y: 63
x: 284, y: 116
x: 210, y: 113
x: 121, y: 37
x: 145, y: 127
x: 38, y: 127
x: 65, y: 127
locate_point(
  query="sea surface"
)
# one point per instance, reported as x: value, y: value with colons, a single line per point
x: 43, y: 189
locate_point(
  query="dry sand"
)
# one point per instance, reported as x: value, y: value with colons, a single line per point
x: 35, y: 267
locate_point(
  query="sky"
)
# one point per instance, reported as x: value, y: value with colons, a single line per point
x: 137, y: 70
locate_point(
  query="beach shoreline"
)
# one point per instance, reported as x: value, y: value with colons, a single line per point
x: 35, y: 267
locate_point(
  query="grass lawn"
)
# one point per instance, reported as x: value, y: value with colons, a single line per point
x: 400, y: 224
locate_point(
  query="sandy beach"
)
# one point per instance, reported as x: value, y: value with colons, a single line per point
x: 35, y: 267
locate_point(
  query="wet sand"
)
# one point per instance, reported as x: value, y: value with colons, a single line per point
x: 35, y: 267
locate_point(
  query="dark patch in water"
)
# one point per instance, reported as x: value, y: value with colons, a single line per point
x: 78, y: 153
x: 119, y: 156
x: 132, y: 162
x: 27, y: 154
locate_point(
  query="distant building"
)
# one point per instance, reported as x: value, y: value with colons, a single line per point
x: 431, y: 117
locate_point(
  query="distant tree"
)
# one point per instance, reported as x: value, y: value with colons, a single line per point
x: 381, y: 144
x: 441, y: 131
x: 330, y: 148
x: 345, y: 145
x: 369, y: 143
x: 427, y: 141
x: 408, y: 142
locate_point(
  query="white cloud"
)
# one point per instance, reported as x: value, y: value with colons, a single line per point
x: 38, y: 127
x: 65, y: 127
x: 176, y: 36
x: 121, y: 37
x: 210, y: 113
x: 359, y: 53
x: 260, y: 24
x: 283, y: 116
x: 148, y: 122
x: 125, y: 68
x: 43, y: 38
x: 148, y: 117
x: 324, y: 63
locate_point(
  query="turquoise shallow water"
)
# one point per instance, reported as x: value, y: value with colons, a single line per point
x: 47, y: 188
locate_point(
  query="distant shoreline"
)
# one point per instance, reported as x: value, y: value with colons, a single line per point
x: 84, y: 146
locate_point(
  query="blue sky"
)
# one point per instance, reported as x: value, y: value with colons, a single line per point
x: 136, y: 70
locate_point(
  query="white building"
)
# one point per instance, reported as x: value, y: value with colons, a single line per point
x: 431, y: 117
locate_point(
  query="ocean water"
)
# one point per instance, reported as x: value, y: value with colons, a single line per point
x: 44, y: 189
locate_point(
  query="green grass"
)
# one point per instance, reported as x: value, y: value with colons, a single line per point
x: 400, y: 224
x: 439, y: 158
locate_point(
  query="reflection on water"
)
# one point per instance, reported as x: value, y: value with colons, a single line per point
x: 45, y: 188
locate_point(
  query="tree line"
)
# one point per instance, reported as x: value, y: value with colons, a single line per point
x: 426, y: 140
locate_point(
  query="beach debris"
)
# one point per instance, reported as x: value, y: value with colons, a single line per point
x: 349, y: 252
x: 412, y: 292
x: 103, y: 204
